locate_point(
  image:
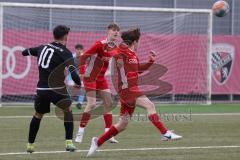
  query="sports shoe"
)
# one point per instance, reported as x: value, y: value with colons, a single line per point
x: 112, y: 140
x: 30, y: 148
x: 79, y: 137
x: 93, y: 147
x: 169, y: 135
x: 70, y: 146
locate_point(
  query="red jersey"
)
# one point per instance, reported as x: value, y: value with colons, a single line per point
x: 128, y: 68
x: 94, y: 62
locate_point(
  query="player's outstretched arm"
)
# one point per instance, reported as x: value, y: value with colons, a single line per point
x: 93, y: 50
x: 30, y: 52
x: 145, y: 66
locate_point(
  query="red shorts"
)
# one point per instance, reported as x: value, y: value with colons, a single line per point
x: 128, y: 101
x: 99, y: 84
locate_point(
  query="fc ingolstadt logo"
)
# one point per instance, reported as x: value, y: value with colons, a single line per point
x: 222, y: 62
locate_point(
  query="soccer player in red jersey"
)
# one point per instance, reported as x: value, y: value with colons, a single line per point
x: 93, y: 66
x: 128, y: 70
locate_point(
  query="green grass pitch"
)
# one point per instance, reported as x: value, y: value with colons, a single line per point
x: 209, y: 132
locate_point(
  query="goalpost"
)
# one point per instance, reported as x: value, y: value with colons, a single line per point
x: 1, y: 50
x: 182, y: 38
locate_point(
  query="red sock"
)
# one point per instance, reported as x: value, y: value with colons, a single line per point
x: 154, y: 118
x: 107, y: 135
x: 108, y: 120
x: 84, y: 120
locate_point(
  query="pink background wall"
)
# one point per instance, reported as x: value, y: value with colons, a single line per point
x: 183, y: 55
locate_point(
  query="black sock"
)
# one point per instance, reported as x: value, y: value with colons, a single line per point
x: 68, y: 124
x: 33, y: 130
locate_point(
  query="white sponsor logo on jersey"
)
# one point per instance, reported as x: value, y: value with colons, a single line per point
x: 132, y: 61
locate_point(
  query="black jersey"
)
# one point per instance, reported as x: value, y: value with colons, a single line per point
x: 52, y: 61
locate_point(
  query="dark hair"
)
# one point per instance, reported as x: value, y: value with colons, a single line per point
x: 78, y: 46
x: 113, y: 26
x: 60, y: 31
x: 131, y: 35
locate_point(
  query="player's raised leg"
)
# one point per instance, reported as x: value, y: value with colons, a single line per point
x: 144, y: 102
x: 91, y: 103
x: 113, y: 131
x: 108, y: 107
x: 126, y: 112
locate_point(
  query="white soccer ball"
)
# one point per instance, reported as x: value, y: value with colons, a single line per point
x: 220, y: 8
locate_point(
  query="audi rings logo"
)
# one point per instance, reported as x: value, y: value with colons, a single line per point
x: 11, y: 63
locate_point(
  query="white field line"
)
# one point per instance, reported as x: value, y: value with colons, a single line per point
x: 130, y: 149
x: 141, y: 115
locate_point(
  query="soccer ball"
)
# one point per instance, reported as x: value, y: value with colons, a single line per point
x: 220, y: 8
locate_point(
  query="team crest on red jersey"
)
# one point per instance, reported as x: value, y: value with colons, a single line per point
x: 109, y: 46
x: 222, y: 62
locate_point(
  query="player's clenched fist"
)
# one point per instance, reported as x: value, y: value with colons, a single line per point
x: 152, y: 56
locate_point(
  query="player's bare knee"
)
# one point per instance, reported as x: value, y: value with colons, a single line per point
x: 151, y: 107
x: 38, y: 115
x: 108, y: 104
x: 124, y: 122
x: 64, y: 105
x: 121, y: 125
x: 124, y: 125
x: 90, y: 107
x: 69, y: 109
x: 108, y: 107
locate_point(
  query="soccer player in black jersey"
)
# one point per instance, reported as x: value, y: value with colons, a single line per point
x: 53, y: 59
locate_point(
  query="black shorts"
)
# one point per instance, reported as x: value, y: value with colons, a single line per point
x: 44, y: 98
